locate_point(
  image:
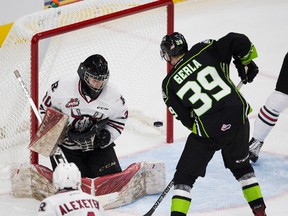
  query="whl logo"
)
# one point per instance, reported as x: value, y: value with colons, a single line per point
x: 72, y: 103
x: 225, y: 127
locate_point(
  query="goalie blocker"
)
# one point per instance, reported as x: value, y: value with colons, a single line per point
x: 114, y: 190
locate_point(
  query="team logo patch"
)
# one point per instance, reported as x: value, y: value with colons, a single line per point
x: 225, y: 127
x: 208, y: 41
x: 102, y: 108
x: 72, y: 103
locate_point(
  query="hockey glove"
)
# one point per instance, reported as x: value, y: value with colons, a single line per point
x: 102, y: 140
x: 247, y: 72
x: 252, y: 71
x: 86, y: 140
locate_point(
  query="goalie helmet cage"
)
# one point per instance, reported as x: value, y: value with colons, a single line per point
x: 51, y: 43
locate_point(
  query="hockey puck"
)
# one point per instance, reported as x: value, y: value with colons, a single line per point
x: 158, y: 124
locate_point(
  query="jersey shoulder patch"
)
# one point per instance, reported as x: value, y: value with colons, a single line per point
x: 207, y: 41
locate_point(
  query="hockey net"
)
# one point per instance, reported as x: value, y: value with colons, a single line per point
x: 49, y: 44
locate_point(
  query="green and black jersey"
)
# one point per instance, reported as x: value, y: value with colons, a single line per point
x: 198, y: 90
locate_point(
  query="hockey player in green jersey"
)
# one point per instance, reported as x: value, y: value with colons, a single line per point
x: 199, y: 92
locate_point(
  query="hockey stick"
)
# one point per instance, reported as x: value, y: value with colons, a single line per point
x: 59, y: 155
x: 159, y: 200
x: 18, y: 76
x: 239, y: 84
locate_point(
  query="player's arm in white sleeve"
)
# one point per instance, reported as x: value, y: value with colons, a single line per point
x: 46, y: 208
x: 47, y: 100
x: 116, y: 123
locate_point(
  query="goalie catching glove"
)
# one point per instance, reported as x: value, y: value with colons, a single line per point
x: 96, y: 137
x: 247, y: 72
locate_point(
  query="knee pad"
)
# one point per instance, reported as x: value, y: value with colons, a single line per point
x: 180, y: 178
x: 240, y: 172
x: 182, y: 187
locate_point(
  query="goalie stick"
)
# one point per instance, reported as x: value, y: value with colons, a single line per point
x: 58, y: 156
x: 170, y: 185
x: 18, y: 76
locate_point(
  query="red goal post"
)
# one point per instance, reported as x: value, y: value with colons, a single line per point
x: 51, y: 43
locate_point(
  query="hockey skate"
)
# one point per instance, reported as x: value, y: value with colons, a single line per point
x: 259, y: 210
x: 254, y: 149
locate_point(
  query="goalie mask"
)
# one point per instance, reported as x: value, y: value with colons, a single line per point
x: 94, y: 74
x: 173, y: 45
x: 66, y: 176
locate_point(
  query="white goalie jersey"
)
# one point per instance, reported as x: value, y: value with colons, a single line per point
x: 70, y: 203
x: 66, y: 96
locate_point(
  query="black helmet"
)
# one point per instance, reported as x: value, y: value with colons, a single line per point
x: 96, y: 67
x: 173, y: 45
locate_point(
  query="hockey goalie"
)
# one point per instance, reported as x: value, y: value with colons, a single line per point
x: 113, y: 190
x: 82, y: 117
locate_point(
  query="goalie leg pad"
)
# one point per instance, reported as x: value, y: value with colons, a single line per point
x: 155, y: 177
x: 31, y: 181
x: 136, y: 181
x: 126, y: 189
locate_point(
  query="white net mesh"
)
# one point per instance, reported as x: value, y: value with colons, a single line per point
x: 130, y: 44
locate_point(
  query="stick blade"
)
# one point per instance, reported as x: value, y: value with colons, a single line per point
x: 149, y: 213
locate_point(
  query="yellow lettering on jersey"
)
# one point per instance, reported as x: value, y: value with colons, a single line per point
x: 186, y: 71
